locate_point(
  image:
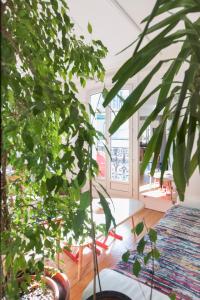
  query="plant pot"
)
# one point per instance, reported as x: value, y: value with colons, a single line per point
x: 55, y: 280
x: 109, y: 295
x: 49, y: 282
x: 61, y: 281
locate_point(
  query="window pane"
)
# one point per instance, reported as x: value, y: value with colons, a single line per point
x: 98, y: 122
x: 120, y: 144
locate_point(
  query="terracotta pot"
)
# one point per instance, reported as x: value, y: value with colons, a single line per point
x: 109, y: 295
x: 51, y: 284
x: 55, y: 280
x: 61, y: 280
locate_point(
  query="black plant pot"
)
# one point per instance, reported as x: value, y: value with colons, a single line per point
x: 109, y: 295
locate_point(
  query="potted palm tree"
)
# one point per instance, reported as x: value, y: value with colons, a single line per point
x: 177, y: 92
x: 177, y: 96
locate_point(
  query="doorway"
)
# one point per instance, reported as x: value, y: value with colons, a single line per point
x: 150, y: 192
x: 117, y: 164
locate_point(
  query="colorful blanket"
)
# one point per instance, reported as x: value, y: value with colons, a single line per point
x: 178, y: 269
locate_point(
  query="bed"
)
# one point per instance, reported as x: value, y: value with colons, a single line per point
x: 178, y: 269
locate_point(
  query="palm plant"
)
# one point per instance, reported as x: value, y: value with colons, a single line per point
x: 178, y: 100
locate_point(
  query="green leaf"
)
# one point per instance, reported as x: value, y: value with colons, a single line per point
x: 51, y: 183
x: 171, y: 5
x: 151, y: 17
x: 193, y: 36
x: 108, y: 215
x: 126, y: 256
x: 152, y: 235
x: 178, y: 16
x: 173, y: 129
x: 85, y: 200
x: 139, y: 228
x: 48, y: 244
x: 40, y: 265
x: 157, y: 149
x: 89, y: 27
x: 141, y: 246
x: 140, y: 59
x: 194, y: 163
x: 194, y: 103
x: 159, y: 107
x: 172, y: 296
x: 150, y: 149
x: 136, y: 268
x: 28, y: 140
x: 155, y: 253
x: 172, y: 71
x: 81, y: 177
x: 147, y: 257
x: 78, y: 222
x: 128, y: 107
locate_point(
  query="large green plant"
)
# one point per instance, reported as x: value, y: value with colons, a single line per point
x: 178, y: 100
x: 46, y: 133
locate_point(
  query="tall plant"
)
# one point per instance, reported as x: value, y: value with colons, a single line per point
x: 178, y: 100
x: 46, y: 133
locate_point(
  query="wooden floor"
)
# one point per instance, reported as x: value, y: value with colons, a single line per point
x: 109, y: 257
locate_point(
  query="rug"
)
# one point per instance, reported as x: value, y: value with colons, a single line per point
x: 178, y: 269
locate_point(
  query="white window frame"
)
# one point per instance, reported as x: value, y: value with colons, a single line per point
x: 118, y: 188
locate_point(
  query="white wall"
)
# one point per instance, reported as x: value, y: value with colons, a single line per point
x: 192, y: 195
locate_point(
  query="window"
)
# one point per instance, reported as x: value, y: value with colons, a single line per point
x: 116, y: 168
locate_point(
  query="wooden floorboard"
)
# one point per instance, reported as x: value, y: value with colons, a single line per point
x: 109, y: 257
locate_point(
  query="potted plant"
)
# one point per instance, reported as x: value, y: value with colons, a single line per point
x: 46, y: 134
x: 177, y: 96
x: 109, y: 295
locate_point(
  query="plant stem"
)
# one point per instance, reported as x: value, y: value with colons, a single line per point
x: 152, y: 277
x: 4, y: 215
x: 153, y: 268
x: 93, y: 241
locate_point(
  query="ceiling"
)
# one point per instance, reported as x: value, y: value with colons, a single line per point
x: 116, y: 23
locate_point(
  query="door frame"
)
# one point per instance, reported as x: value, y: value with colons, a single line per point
x: 117, y: 188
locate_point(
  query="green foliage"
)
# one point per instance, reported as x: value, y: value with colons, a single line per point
x: 46, y: 131
x: 89, y: 28
x: 139, y: 228
x: 152, y: 235
x: 146, y: 249
x: 178, y: 102
x: 141, y: 245
x: 172, y: 296
x: 126, y: 256
x: 108, y: 215
x: 136, y: 268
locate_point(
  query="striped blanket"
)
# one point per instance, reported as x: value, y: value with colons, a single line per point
x: 178, y: 269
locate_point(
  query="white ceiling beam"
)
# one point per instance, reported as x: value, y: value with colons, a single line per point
x: 123, y: 11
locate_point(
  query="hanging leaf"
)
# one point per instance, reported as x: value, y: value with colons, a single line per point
x: 89, y: 27
x: 28, y: 140
x: 152, y: 235
x: 172, y: 296
x: 108, y: 215
x: 126, y: 110
x: 126, y: 256
x: 51, y: 183
x: 84, y: 200
x: 136, y: 268
x: 141, y: 246
x: 139, y: 228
